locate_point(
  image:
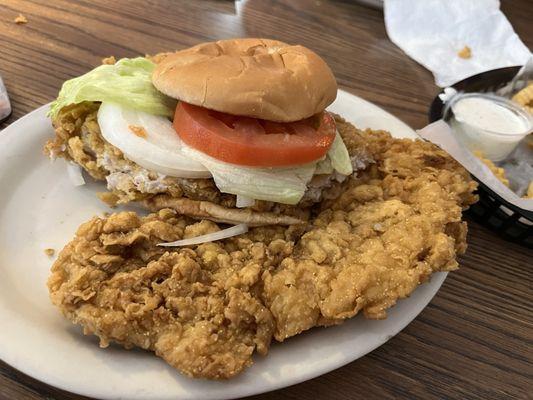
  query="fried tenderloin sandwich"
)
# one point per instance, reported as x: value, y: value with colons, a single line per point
x: 331, y: 221
x: 234, y: 131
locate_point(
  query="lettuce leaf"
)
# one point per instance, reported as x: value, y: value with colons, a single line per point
x: 128, y: 83
x: 337, y: 159
x: 282, y: 185
x: 324, y: 167
x: 339, y: 156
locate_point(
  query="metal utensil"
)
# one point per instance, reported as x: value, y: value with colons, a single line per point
x: 5, y: 105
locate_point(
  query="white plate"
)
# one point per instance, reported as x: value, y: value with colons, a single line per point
x: 39, y: 208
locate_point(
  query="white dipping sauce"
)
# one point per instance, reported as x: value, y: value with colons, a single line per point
x: 488, y: 115
x: 490, y: 124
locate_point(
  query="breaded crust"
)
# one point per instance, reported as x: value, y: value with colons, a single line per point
x: 214, y: 212
x: 206, y: 308
x: 78, y: 139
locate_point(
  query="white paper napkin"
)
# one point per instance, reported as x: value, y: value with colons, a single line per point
x: 433, y: 32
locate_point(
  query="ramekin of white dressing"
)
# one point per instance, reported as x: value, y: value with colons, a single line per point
x: 491, y: 124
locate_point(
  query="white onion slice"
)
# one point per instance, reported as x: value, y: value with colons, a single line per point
x: 209, y: 237
x: 243, y: 202
x: 75, y: 175
x: 160, y: 150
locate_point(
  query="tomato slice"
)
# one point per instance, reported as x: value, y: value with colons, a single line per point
x: 254, y: 142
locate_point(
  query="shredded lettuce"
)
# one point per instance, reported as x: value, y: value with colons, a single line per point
x: 128, y: 83
x: 281, y: 185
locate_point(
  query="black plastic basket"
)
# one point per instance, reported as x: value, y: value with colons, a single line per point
x: 504, y: 218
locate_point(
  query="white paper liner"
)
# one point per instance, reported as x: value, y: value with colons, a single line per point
x: 440, y: 133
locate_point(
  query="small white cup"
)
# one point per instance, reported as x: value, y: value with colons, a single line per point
x: 495, y: 145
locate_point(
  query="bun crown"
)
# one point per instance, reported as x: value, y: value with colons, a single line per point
x: 259, y: 78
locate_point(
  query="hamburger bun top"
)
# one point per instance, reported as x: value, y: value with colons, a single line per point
x: 258, y: 78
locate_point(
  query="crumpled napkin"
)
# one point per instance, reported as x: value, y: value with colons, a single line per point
x: 433, y: 33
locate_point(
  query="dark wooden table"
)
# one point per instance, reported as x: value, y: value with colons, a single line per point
x: 474, y: 340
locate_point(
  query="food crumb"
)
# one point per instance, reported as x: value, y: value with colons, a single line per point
x: 525, y: 97
x: 138, y: 130
x: 529, y: 193
x: 49, y: 252
x: 111, y: 199
x: 21, y: 19
x: 109, y: 60
x: 156, y: 59
x: 465, y: 52
x: 497, y: 171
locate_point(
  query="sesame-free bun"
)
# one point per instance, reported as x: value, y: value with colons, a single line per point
x: 259, y: 78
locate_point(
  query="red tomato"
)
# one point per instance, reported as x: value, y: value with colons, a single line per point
x: 254, y: 142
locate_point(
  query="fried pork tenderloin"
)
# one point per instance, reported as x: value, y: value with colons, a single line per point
x: 78, y: 139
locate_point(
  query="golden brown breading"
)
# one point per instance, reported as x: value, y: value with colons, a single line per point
x: 529, y: 192
x: 394, y: 226
x: 194, y: 308
x: 498, y: 172
x: 109, y: 60
x: 214, y: 212
x: 78, y: 139
x: 525, y: 97
x: 20, y: 19
x: 388, y: 231
x: 465, y: 52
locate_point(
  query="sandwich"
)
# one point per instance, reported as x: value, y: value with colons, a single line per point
x: 331, y: 221
x: 235, y: 131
